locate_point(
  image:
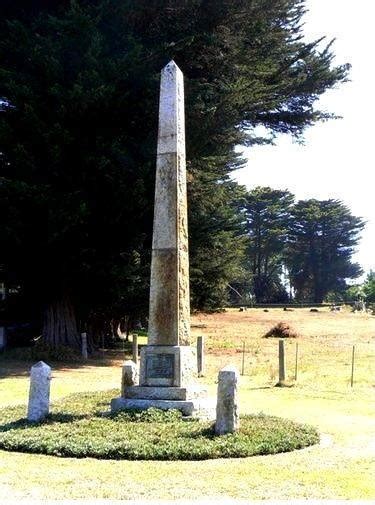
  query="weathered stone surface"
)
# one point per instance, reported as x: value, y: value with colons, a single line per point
x: 227, y: 416
x: 195, y: 407
x: 40, y: 379
x: 165, y: 393
x: 186, y: 407
x: 164, y: 365
x: 129, y: 376
x: 163, y: 325
x: 169, y: 317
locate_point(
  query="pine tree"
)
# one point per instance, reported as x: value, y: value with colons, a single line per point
x: 322, y: 240
x: 267, y: 215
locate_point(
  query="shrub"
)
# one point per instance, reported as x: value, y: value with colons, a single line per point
x: 281, y: 330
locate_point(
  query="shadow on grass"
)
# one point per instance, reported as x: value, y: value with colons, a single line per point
x: 57, y: 418
x: 260, y: 388
x: 12, y: 365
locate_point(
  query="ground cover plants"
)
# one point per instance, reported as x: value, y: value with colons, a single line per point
x: 79, y: 427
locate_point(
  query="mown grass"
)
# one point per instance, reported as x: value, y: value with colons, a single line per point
x: 343, y: 468
x: 78, y: 427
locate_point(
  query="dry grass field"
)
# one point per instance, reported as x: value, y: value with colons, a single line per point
x: 325, y: 345
x: 342, y: 467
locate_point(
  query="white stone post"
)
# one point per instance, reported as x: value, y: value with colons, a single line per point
x: 200, y: 356
x: 227, y: 417
x: 129, y: 376
x: 84, y: 345
x: 40, y: 380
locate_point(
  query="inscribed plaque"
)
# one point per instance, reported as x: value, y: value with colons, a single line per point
x: 160, y: 366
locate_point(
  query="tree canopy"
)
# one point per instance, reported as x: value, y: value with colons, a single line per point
x: 322, y: 240
x: 78, y: 127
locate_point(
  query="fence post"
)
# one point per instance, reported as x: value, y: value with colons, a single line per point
x: 281, y: 363
x: 135, y: 347
x: 296, y: 364
x: 352, y: 375
x: 200, y: 356
x: 84, y: 345
x: 243, y: 358
x: 3, y: 339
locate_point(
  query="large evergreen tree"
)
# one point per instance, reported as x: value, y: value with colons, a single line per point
x: 322, y: 240
x: 369, y: 287
x: 267, y: 215
x: 78, y: 125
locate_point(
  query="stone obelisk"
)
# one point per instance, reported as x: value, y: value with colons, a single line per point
x: 167, y: 362
x: 169, y: 317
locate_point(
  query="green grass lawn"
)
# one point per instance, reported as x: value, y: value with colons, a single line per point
x: 342, y: 467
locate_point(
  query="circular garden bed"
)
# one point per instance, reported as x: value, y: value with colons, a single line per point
x: 80, y: 426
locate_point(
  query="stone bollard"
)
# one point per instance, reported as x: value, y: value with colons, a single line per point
x: 135, y: 348
x: 84, y: 345
x: 129, y: 375
x: 282, y: 365
x: 40, y: 380
x: 227, y: 417
x: 200, y: 356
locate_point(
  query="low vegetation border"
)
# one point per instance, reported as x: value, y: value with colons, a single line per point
x: 80, y: 426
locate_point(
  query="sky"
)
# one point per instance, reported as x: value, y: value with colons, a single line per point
x: 336, y: 160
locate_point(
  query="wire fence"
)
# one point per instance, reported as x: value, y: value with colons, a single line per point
x: 332, y: 365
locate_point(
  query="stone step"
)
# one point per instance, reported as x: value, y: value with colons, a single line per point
x: 186, y: 407
x: 164, y: 393
x: 204, y: 409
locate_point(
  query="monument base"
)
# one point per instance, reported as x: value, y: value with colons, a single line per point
x: 164, y: 393
x: 203, y: 408
x: 167, y: 381
x: 167, y: 365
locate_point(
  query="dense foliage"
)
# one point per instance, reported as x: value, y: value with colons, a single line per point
x: 322, y: 241
x: 78, y: 126
x: 268, y: 217
x: 304, y: 248
x: 369, y: 287
x: 78, y: 428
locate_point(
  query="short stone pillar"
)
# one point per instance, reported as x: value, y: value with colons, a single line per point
x: 200, y: 356
x: 135, y: 348
x: 84, y: 345
x: 40, y: 380
x: 227, y: 417
x: 130, y: 376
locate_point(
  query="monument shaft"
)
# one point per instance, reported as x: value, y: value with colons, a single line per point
x: 169, y: 316
x: 168, y: 364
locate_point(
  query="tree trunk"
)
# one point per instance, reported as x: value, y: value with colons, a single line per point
x: 60, y: 324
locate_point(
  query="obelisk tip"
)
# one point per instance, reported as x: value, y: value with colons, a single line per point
x: 172, y: 66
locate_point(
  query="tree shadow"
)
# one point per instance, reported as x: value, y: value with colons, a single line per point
x: 20, y: 367
x: 55, y: 418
